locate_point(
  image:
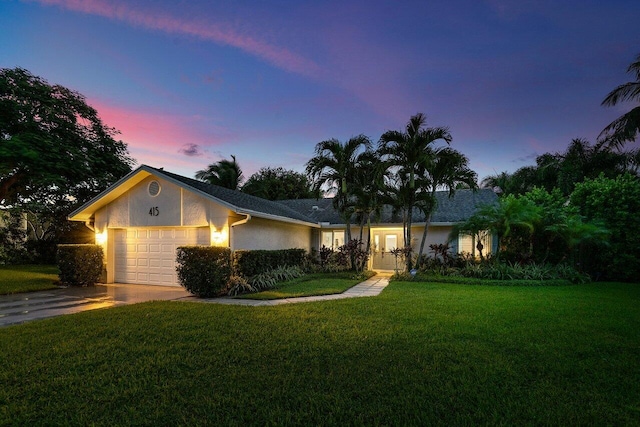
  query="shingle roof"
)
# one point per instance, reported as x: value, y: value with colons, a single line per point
x: 448, y: 210
x: 239, y: 199
x: 455, y: 209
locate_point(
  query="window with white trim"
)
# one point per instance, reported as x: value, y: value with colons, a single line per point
x: 333, y: 239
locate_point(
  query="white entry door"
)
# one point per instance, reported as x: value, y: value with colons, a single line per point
x: 148, y: 256
x: 383, y: 243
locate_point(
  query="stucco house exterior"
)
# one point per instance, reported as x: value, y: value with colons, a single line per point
x: 145, y: 216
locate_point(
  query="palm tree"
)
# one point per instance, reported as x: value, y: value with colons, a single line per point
x: 225, y: 173
x: 446, y: 169
x: 574, y: 231
x: 407, y: 151
x: 511, y: 213
x: 333, y: 168
x: 626, y: 127
x: 368, y: 189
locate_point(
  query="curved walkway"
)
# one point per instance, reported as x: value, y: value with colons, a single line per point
x: 369, y: 288
x: 20, y: 308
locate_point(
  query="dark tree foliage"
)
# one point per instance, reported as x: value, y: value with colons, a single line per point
x: 626, y: 127
x: 615, y: 202
x: 578, y: 162
x: 53, y: 143
x: 225, y: 173
x: 279, y: 184
x: 55, y: 154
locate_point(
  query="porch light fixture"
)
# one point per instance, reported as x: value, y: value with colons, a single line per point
x: 101, y: 238
x: 218, y: 237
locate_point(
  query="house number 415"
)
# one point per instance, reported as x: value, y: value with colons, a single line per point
x: 154, y: 211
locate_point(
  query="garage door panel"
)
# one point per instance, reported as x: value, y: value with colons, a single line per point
x: 147, y: 256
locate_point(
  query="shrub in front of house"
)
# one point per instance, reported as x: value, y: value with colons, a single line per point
x: 79, y: 265
x: 204, y: 270
x: 249, y: 263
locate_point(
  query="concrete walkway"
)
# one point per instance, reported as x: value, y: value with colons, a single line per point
x: 20, y: 308
x: 369, y: 288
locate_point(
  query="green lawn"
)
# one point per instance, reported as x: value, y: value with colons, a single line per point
x: 309, y: 285
x: 27, y: 278
x: 418, y: 354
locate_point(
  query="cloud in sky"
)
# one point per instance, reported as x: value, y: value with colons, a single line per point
x: 219, y: 33
x: 191, y: 150
x: 268, y: 81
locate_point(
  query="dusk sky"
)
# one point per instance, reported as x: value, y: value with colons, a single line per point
x: 189, y: 83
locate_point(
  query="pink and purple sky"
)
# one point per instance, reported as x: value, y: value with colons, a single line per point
x: 189, y: 83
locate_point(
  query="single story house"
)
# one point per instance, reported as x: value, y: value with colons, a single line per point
x: 146, y: 215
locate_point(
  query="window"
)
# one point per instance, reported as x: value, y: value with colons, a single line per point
x: 390, y: 242
x: 470, y: 244
x: 333, y: 239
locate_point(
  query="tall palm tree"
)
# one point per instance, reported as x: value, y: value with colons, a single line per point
x: 407, y: 151
x: 445, y: 169
x: 626, y: 127
x: 225, y: 173
x: 333, y: 167
x: 368, y: 189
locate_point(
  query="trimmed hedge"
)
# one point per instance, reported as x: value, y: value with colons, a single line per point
x: 79, y: 265
x: 249, y: 263
x: 204, y: 270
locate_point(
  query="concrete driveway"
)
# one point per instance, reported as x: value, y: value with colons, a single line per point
x: 20, y: 308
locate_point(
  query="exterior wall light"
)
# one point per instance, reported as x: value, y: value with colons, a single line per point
x: 101, y: 238
x: 218, y: 237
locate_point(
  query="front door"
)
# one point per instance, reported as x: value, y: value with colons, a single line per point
x: 383, y: 243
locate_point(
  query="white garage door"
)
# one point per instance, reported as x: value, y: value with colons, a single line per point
x: 148, y: 256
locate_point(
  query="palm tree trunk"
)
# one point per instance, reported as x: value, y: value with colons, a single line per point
x: 424, y: 239
x: 407, y: 243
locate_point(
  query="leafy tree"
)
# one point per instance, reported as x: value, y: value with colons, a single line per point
x: 626, y: 127
x: 512, y: 221
x: 614, y: 202
x: 575, y: 233
x: 225, y: 173
x: 52, y: 142
x: 499, y: 183
x: 553, y: 210
x: 579, y: 161
x: 334, y: 168
x: 279, y: 184
x: 447, y: 169
x: 408, y: 151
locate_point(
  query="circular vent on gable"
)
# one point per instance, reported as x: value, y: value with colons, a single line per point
x: 154, y: 188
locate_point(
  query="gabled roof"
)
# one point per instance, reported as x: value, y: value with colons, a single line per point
x: 311, y: 212
x: 242, y: 202
x: 448, y: 210
x: 236, y: 201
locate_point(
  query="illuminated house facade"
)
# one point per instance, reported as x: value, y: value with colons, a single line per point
x: 144, y: 217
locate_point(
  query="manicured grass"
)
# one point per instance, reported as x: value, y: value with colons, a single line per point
x: 309, y: 285
x: 418, y: 354
x: 27, y: 278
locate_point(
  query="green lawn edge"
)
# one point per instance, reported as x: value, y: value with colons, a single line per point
x: 27, y: 278
x: 313, y: 284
